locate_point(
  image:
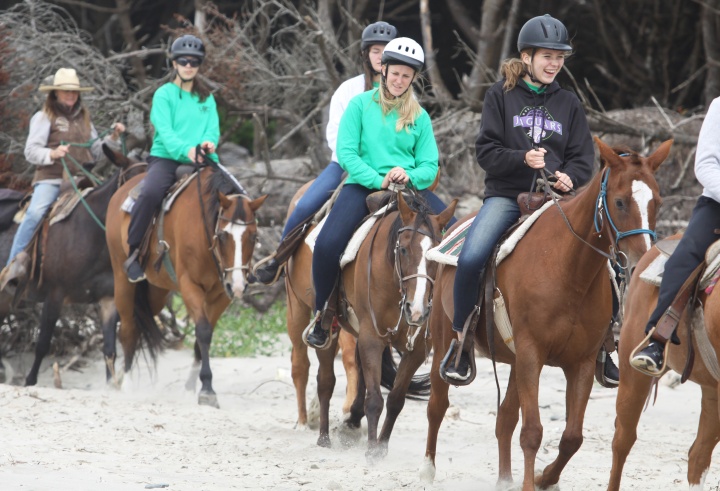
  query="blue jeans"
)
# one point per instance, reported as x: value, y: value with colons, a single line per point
x: 690, y: 252
x: 496, y: 215
x: 44, y: 195
x: 315, y: 196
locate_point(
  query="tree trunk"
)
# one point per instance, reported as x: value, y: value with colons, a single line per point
x: 433, y: 71
x: 128, y: 34
x: 710, y: 32
x: 200, y: 19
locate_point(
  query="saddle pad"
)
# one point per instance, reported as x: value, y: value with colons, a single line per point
x: 654, y: 272
x: 355, y: 241
x: 65, y: 204
x: 449, y: 249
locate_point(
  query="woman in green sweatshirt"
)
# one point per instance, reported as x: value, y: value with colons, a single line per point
x: 384, y: 136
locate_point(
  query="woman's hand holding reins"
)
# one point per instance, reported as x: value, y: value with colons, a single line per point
x: 59, y: 152
x: 564, y: 183
x: 209, y: 147
x: 535, y: 159
x: 396, y: 175
x: 117, y: 128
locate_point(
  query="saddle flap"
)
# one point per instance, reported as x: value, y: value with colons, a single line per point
x: 667, y: 246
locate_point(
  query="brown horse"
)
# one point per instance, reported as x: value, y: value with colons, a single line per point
x: 635, y: 387
x: 557, y: 290
x: 300, y: 304
x: 210, y: 256
x: 386, y: 299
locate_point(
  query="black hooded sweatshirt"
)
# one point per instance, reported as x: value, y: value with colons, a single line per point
x: 505, y: 137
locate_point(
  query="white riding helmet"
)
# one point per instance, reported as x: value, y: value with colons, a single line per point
x: 404, y: 51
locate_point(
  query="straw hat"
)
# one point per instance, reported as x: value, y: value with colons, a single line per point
x: 64, y: 79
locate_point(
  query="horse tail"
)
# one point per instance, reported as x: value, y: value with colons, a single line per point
x: 419, y: 388
x: 145, y: 321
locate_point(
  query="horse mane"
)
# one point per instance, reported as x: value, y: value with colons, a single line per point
x: 419, y: 205
x: 218, y: 182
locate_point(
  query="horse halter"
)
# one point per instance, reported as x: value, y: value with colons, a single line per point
x: 601, y: 209
x: 217, y: 253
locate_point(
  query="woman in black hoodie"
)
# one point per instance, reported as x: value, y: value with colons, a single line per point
x: 528, y: 123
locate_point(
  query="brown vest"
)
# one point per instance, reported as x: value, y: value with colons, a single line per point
x: 69, y: 130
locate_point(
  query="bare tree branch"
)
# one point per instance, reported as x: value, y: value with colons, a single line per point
x: 438, y: 86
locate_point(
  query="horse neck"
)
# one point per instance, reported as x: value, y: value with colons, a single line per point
x: 99, y: 198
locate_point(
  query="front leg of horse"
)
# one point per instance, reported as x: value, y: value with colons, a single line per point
x: 579, y: 384
x: 708, y: 435
x: 527, y: 375
x: 50, y: 314
x: 326, y: 385
x: 110, y: 318
x: 371, y: 349
x: 203, y: 335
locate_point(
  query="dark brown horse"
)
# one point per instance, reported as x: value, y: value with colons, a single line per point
x: 557, y: 290
x: 635, y: 387
x: 386, y: 299
x: 210, y: 257
x: 76, y: 264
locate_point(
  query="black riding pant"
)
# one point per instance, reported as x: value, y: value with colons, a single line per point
x: 160, y: 177
x: 700, y: 234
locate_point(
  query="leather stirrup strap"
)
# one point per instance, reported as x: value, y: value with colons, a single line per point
x: 670, y: 319
x: 690, y: 360
x: 290, y: 243
x: 490, y: 315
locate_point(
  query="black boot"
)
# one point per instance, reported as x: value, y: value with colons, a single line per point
x: 650, y: 359
x: 268, y: 273
x: 133, y: 269
x: 611, y: 373
x: 462, y: 372
x: 315, y: 335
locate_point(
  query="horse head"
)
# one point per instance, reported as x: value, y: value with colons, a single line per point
x: 629, y: 199
x: 235, y: 237
x: 417, y: 233
x: 129, y: 167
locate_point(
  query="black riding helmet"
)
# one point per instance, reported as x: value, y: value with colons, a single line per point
x: 544, y: 31
x: 377, y: 33
x: 187, y: 45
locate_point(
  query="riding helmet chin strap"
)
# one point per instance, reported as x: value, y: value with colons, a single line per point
x: 530, y: 72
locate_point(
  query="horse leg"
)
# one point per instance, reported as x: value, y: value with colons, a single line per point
x: 371, y: 349
x: 297, y: 318
x: 708, y: 435
x: 442, y: 336
x: 203, y: 335
x: 527, y: 377
x: 50, y: 314
x: 409, y: 364
x: 505, y: 424
x: 347, y: 345
x: 325, y: 387
x: 579, y: 384
x: 357, y: 409
x: 129, y: 335
x: 110, y: 317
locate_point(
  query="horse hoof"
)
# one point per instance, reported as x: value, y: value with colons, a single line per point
x: 547, y: 487
x: 324, y: 441
x: 313, y: 414
x: 208, y: 399
x: 376, y: 454
x: 427, y: 471
x: 349, y: 435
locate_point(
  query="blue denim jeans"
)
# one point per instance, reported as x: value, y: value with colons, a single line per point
x: 44, y: 195
x: 496, y: 215
x: 315, y: 196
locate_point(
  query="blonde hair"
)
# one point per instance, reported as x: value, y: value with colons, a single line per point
x: 407, y: 106
x: 512, y: 70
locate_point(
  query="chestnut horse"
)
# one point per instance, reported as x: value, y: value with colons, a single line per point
x: 210, y: 255
x: 386, y: 299
x: 301, y: 303
x: 635, y: 387
x: 557, y: 290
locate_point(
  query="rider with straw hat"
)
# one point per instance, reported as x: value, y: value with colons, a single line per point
x: 62, y: 122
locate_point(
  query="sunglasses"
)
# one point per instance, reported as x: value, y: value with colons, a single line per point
x: 193, y: 62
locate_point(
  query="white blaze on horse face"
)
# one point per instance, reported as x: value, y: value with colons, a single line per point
x: 417, y: 307
x: 238, y: 276
x: 642, y: 194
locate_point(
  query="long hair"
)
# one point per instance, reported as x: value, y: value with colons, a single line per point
x: 52, y: 108
x: 512, y: 70
x: 407, y: 106
x: 367, y: 69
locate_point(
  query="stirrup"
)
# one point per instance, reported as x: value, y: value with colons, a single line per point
x: 318, y: 317
x: 16, y: 270
x: 602, y: 359
x: 262, y: 262
x: 453, y: 355
x: 644, y: 343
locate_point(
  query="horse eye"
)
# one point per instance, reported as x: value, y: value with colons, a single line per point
x: 619, y: 204
x: 403, y: 251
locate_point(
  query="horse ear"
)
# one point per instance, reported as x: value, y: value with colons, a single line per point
x: 406, y: 214
x: 225, y: 203
x: 255, y: 204
x: 444, y: 217
x: 608, y: 154
x: 115, y: 157
x: 659, y: 155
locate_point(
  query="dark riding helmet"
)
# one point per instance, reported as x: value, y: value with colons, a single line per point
x: 544, y: 31
x: 377, y: 33
x: 187, y: 45
x: 404, y: 51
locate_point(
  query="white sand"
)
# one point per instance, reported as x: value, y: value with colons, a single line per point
x: 88, y: 437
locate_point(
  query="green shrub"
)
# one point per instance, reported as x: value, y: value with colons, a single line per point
x: 242, y: 331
